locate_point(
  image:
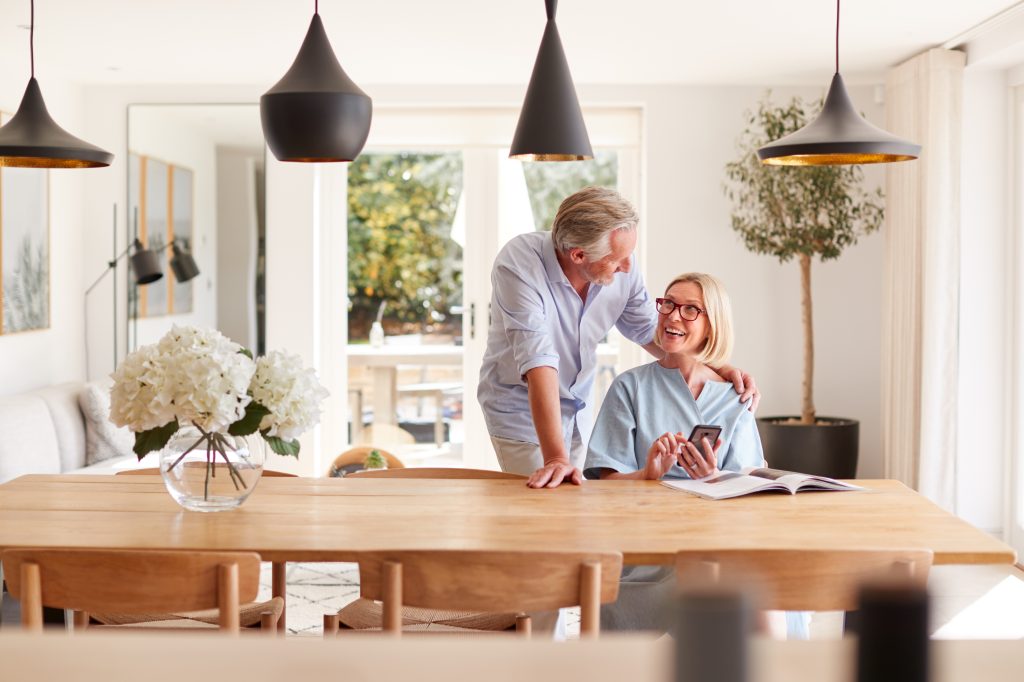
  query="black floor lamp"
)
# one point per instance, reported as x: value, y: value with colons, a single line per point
x: 145, y: 266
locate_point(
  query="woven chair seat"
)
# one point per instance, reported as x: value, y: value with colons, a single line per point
x: 249, y: 616
x: 366, y: 614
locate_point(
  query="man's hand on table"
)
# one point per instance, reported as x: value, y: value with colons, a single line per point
x: 554, y: 473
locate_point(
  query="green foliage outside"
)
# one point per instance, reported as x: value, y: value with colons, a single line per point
x: 549, y: 183
x: 400, y: 252
x: 801, y: 211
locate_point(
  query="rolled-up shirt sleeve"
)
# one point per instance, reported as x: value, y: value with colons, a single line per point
x: 638, y: 318
x: 522, y: 310
x: 613, y: 441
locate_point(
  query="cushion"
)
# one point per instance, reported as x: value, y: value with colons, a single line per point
x: 62, y: 402
x: 249, y: 615
x: 363, y: 614
x: 28, y: 441
x: 103, y: 440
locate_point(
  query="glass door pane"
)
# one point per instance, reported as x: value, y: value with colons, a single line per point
x: 405, y: 263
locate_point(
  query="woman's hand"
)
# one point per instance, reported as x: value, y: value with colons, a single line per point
x: 662, y: 455
x: 699, y: 462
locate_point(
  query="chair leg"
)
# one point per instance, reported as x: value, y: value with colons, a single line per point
x: 590, y: 599
x: 439, y: 421
x: 31, y: 598
x: 81, y: 619
x: 331, y: 624
x: 392, y: 597
x: 227, y: 597
x: 268, y: 623
x: 278, y: 571
x: 524, y: 626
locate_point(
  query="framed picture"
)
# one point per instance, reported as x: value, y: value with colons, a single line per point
x: 24, y: 248
x: 161, y: 195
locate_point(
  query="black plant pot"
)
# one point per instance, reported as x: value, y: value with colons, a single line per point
x: 828, y: 448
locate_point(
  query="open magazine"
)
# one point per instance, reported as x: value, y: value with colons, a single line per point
x: 755, y: 480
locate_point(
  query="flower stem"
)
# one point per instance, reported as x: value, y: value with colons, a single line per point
x: 206, y: 483
x: 194, y: 446
x: 219, y: 443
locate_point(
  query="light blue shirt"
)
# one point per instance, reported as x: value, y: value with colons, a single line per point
x: 538, y: 320
x: 645, y: 402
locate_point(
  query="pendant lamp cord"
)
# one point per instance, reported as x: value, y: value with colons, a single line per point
x: 837, y: 36
x: 316, y: 6
x: 32, y: 37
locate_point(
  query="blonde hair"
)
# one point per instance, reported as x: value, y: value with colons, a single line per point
x: 718, y: 346
x: 586, y: 220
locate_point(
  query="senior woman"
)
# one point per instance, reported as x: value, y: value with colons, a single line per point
x: 647, y: 415
x: 649, y: 411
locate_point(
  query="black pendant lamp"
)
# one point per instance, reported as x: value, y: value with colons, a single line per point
x: 839, y: 135
x: 315, y: 113
x: 183, y: 264
x: 34, y: 140
x: 550, y: 124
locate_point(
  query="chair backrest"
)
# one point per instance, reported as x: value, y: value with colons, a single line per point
x: 802, y: 579
x: 436, y: 472
x: 130, y: 581
x: 358, y: 455
x: 490, y: 581
x: 153, y: 471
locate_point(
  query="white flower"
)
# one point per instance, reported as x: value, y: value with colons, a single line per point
x: 136, y: 399
x: 291, y: 393
x: 194, y: 375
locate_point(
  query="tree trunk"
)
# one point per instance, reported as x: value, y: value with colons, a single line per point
x: 807, y: 411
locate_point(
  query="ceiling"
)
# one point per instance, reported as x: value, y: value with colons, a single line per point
x: 756, y: 42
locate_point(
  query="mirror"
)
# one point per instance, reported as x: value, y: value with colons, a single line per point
x: 196, y: 183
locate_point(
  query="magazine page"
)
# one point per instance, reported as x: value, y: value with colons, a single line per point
x: 725, y: 484
x: 796, y: 481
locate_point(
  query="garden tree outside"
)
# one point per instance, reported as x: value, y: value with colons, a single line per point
x: 797, y: 211
x: 400, y: 252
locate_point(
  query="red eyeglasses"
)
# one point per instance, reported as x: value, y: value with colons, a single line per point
x: 686, y: 311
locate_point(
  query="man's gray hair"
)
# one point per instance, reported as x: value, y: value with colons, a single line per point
x: 586, y: 220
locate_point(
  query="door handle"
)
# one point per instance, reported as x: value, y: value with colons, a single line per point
x: 472, y: 321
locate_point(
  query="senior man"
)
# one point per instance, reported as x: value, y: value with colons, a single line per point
x: 555, y: 297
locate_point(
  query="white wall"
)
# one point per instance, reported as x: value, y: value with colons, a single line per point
x: 55, y: 355
x: 157, y: 133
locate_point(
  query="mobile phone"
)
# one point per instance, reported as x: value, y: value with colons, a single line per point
x: 708, y: 431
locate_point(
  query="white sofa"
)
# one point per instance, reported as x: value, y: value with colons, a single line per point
x: 45, y: 432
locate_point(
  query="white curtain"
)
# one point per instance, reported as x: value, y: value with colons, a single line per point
x: 920, y: 348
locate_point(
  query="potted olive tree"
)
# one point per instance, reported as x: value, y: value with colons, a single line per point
x: 800, y: 212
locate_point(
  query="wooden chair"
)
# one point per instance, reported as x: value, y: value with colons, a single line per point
x: 488, y: 581
x: 358, y: 455
x: 132, y: 582
x: 436, y: 473
x: 154, y: 471
x: 803, y: 579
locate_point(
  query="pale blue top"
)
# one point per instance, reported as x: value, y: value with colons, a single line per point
x: 645, y: 402
x: 537, y: 320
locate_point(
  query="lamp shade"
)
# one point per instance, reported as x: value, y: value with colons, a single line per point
x: 839, y: 135
x: 551, y: 124
x: 145, y: 265
x: 32, y: 139
x: 183, y: 265
x: 315, y: 113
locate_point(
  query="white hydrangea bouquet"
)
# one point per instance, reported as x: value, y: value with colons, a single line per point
x: 201, y: 378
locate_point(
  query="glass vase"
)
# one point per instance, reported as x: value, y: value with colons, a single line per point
x: 210, y: 472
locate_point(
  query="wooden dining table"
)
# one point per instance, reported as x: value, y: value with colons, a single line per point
x: 335, y: 519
